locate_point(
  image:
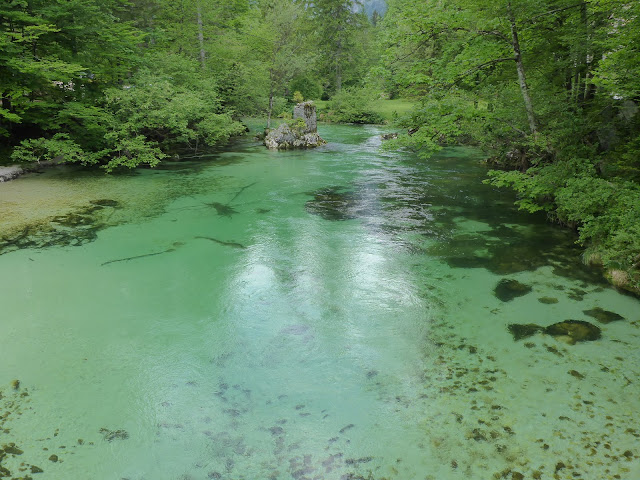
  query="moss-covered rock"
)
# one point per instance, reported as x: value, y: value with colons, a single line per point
x: 572, y: 331
x: 548, y: 300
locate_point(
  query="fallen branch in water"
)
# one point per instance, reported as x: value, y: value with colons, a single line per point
x: 240, y: 191
x: 172, y: 249
x: 226, y: 244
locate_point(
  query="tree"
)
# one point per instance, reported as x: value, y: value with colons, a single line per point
x: 549, y: 89
x: 279, y: 45
x: 338, y: 28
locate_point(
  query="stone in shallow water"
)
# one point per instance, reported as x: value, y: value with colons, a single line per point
x: 508, y: 289
x: 568, y: 331
x: 603, y: 316
x: 548, y: 300
x: 573, y: 331
x: 301, y: 133
x: 520, y: 331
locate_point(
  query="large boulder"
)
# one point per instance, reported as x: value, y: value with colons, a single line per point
x: 307, y: 112
x: 302, y: 132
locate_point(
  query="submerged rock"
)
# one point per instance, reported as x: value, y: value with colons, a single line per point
x: 508, y: 289
x: 301, y: 133
x: 603, y: 316
x: 520, y: 331
x: 548, y: 300
x: 568, y: 331
x: 572, y: 331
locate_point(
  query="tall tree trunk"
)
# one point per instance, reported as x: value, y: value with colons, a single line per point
x: 339, y: 67
x: 201, y: 38
x: 271, y: 94
x: 587, y: 56
x: 522, y: 78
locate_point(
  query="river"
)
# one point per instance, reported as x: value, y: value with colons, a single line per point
x: 338, y: 313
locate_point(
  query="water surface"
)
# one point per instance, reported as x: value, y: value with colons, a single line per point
x: 325, y: 314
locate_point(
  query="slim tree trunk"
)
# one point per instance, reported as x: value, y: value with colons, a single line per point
x: 522, y: 78
x: 584, y: 17
x: 339, y: 67
x: 270, y: 112
x: 201, y: 38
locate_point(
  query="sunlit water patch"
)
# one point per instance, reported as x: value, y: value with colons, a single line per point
x: 341, y: 313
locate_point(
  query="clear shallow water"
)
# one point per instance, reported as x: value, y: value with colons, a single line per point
x: 326, y: 314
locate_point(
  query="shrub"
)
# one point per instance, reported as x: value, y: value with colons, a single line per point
x: 353, y: 105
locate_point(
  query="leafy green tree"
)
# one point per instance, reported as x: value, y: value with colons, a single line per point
x: 278, y: 45
x: 548, y: 88
x: 340, y: 36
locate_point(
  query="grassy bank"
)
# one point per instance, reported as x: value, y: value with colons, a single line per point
x: 387, y: 109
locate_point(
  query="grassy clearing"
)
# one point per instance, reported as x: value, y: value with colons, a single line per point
x: 388, y: 109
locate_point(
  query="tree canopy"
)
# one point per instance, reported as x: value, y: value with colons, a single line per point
x: 549, y: 89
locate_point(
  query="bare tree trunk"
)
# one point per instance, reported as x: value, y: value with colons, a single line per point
x: 587, y: 55
x: 270, y: 102
x: 201, y: 38
x: 339, y: 67
x: 521, y: 73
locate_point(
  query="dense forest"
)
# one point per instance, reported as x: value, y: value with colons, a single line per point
x: 549, y: 89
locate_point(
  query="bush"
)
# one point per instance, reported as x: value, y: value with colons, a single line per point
x: 60, y: 148
x: 353, y: 105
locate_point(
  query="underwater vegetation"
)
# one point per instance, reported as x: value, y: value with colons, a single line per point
x: 12, y: 405
x: 333, y: 203
x: 75, y: 228
x: 223, y: 210
x: 111, y: 435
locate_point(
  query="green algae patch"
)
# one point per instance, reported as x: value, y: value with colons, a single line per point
x: 333, y: 203
x: 111, y: 435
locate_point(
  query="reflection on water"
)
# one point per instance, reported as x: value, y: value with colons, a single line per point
x: 341, y: 313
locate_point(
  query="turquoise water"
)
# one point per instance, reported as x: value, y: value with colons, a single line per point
x: 325, y: 314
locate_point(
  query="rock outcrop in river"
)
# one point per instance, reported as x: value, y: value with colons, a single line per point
x: 301, y: 133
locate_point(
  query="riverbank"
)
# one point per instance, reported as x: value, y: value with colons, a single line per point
x: 10, y: 172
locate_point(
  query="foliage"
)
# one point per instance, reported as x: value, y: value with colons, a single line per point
x: 83, y: 67
x: 58, y: 148
x: 353, y: 105
x: 342, y: 35
x: 558, y: 114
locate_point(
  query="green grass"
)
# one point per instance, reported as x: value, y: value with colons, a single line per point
x: 399, y: 107
x: 386, y: 108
